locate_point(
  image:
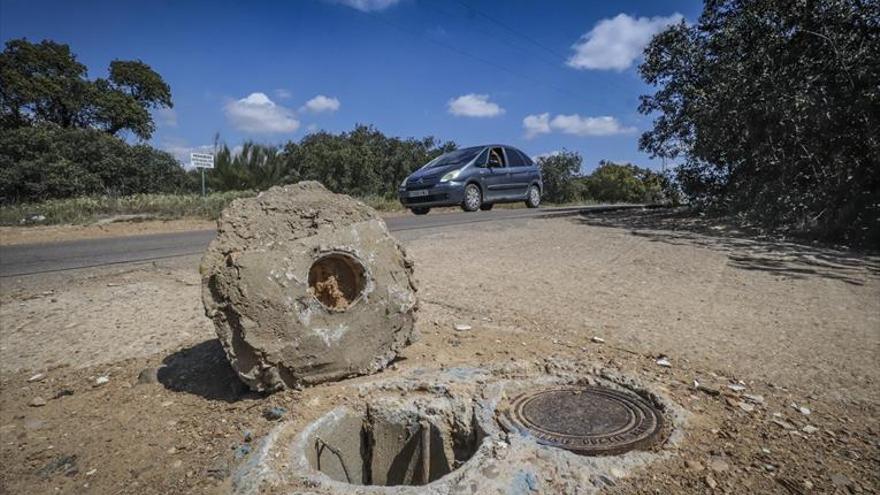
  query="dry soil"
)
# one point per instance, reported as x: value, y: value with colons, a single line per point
x: 782, y: 338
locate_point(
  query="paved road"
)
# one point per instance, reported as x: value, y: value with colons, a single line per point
x: 33, y: 259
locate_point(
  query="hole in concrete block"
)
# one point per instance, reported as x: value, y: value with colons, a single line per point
x: 392, y: 447
x: 337, y: 280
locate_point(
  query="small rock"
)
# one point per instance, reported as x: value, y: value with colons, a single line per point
x: 756, y: 399
x: 745, y: 406
x: 462, y: 327
x: 37, y: 402
x: 736, y: 387
x: 176, y: 464
x: 808, y: 485
x: 598, y: 340
x: 64, y: 392
x: 241, y: 451
x: 710, y: 482
x: 248, y: 436
x: 101, y: 380
x: 809, y: 429
x: 805, y: 411
x: 718, y: 466
x: 172, y: 451
x: 783, y: 424
x: 664, y: 362
x: 90, y: 472
x: 274, y: 413
x: 840, y: 480
x: 693, y: 465
x: 36, y: 378
x: 148, y: 376
x: 707, y: 390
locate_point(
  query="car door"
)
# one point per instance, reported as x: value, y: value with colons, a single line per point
x: 518, y: 174
x: 495, y: 177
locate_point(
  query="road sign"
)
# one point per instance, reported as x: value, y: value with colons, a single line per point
x: 201, y: 160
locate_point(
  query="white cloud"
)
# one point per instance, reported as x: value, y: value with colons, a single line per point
x: 545, y: 155
x: 283, y: 94
x: 257, y: 114
x: 367, y: 5
x: 474, y: 105
x: 573, y: 124
x: 536, y: 124
x: 588, y: 126
x: 166, y: 117
x: 616, y: 43
x: 322, y: 103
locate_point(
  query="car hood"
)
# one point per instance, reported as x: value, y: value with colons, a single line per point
x: 430, y: 174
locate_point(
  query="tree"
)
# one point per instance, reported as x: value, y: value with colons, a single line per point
x: 775, y: 108
x: 624, y: 183
x: 559, y: 171
x: 46, y: 161
x: 44, y: 83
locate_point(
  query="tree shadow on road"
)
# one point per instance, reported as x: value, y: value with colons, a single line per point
x: 203, y: 370
x: 745, y: 249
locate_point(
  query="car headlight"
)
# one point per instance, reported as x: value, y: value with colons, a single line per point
x: 450, y: 176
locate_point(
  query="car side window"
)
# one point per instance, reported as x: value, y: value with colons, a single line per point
x: 527, y: 160
x: 496, y: 158
x: 516, y: 159
x: 481, y: 160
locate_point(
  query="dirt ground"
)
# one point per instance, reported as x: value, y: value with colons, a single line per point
x: 797, y: 326
x: 53, y: 233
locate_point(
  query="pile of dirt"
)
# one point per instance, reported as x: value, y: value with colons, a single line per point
x: 328, y: 292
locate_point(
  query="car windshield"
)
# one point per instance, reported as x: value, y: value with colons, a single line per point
x: 457, y: 157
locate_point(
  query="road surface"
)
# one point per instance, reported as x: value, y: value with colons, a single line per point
x: 31, y: 259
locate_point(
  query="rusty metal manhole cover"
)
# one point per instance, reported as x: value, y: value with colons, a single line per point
x: 586, y: 420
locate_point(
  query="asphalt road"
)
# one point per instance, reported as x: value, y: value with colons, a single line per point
x: 32, y: 259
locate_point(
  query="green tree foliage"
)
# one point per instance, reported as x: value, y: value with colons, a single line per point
x: 559, y: 171
x: 46, y: 161
x: 253, y: 167
x: 44, y: 83
x: 362, y: 162
x: 626, y: 183
x: 775, y: 107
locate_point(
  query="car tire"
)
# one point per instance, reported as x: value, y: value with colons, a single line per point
x: 486, y: 206
x: 473, y: 198
x: 533, y: 200
x: 421, y: 210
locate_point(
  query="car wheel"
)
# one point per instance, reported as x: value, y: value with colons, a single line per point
x: 421, y: 211
x: 473, y: 198
x: 486, y: 207
x: 534, y: 198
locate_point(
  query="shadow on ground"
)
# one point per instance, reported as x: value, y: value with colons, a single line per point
x: 203, y: 370
x: 745, y: 249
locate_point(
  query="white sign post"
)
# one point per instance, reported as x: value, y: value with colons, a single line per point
x: 202, y: 161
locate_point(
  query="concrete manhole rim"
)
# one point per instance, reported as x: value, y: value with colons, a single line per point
x: 483, y: 414
x: 642, y: 429
x: 351, y: 257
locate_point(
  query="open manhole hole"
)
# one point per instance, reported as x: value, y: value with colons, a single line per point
x: 390, y: 445
x: 337, y: 280
x: 587, y: 420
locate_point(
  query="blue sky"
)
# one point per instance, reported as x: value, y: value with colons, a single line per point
x: 541, y: 76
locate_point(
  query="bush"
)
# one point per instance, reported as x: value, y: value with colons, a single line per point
x: 627, y: 183
x: 45, y: 162
x: 559, y: 171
